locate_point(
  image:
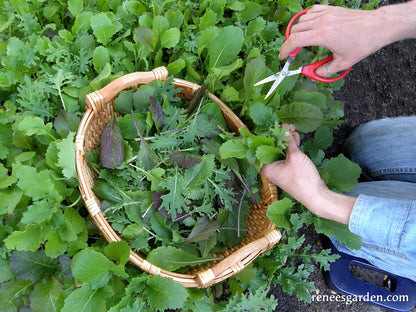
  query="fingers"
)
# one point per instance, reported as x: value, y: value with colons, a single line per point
x: 299, y: 40
x: 292, y: 133
x: 330, y: 69
x: 326, y: 70
x: 302, y: 34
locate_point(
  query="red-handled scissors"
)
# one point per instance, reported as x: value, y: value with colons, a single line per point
x: 308, y: 70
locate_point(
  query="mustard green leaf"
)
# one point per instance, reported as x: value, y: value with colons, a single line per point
x: 170, y: 38
x: 224, y: 49
x: 118, y: 251
x: 45, y: 296
x: 171, y: 258
x: 111, y: 146
x: 93, y: 267
x: 101, y: 58
x: 29, y: 239
x: 268, y: 154
x: 75, y: 7
x: 32, y: 266
x: 233, y: 148
x: 306, y: 117
x: 103, y: 27
x: 88, y: 299
x: 262, y: 115
x: 163, y: 293
x: 82, y: 22
x: 340, y: 231
x: 66, y: 156
x: 28, y: 181
x: 341, y: 174
x: 279, y: 213
x: 9, y: 199
x: 39, y: 212
x: 206, y: 36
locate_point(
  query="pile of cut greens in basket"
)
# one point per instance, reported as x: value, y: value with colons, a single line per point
x: 162, y: 181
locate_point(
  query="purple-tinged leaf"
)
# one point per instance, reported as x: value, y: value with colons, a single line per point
x: 157, y: 200
x: 184, y: 160
x: 202, y: 230
x: 196, y: 98
x: 112, y: 147
x: 157, y: 112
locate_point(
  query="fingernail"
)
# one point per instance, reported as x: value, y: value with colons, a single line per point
x: 287, y: 134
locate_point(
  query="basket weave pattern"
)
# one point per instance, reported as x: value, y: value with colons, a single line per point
x: 100, y: 108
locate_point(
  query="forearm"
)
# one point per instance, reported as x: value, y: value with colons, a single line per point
x: 331, y: 205
x: 399, y: 21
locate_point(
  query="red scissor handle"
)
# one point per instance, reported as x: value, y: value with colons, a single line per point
x: 289, y: 27
x: 309, y: 70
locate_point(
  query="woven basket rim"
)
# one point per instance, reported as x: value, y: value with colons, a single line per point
x: 99, y: 103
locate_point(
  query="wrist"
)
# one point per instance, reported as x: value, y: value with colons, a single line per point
x: 333, y: 206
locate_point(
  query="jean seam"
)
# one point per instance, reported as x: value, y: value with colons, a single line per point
x: 393, y: 171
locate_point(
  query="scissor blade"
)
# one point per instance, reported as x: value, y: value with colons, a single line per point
x: 267, y: 79
x: 274, y: 86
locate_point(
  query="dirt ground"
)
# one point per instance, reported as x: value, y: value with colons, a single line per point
x: 383, y: 85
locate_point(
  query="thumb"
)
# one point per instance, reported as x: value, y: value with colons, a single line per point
x: 292, y: 143
x: 273, y: 171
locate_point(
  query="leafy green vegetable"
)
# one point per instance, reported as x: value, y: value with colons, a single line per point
x: 170, y: 258
x: 53, y: 53
x: 111, y: 146
x: 188, y: 185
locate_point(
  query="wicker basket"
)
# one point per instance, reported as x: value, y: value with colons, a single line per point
x: 263, y: 234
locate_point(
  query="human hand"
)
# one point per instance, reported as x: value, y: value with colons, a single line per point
x: 298, y: 176
x: 351, y: 35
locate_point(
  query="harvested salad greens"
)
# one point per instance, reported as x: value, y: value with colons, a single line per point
x: 161, y: 179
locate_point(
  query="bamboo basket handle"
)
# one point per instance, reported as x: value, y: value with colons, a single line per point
x: 238, y: 260
x: 97, y: 99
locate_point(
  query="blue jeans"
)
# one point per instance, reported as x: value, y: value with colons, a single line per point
x: 385, y: 212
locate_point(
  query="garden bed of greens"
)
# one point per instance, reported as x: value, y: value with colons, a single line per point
x: 53, y: 53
